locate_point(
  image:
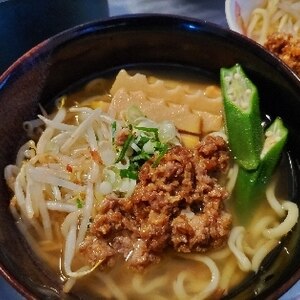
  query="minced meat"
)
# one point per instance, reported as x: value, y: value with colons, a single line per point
x: 287, y: 48
x: 177, y: 204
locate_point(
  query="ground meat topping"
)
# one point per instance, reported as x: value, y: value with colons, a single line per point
x: 287, y: 48
x: 177, y: 204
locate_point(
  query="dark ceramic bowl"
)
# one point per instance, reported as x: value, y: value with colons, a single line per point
x: 139, y: 41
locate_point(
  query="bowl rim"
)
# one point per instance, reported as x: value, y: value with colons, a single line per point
x: 80, y: 30
x: 122, y: 21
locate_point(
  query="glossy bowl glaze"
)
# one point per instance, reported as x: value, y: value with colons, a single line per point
x: 139, y: 41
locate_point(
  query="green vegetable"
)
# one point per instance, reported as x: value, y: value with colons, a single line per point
x: 242, y: 117
x: 113, y: 130
x: 149, y: 129
x: 125, y: 147
x: 142, y: 140
x: 129, y: 173
x: 143, y: 143
x: 79, y: 203
x: 251, y: 185
x: 163, y: 149
x: 141, y: 156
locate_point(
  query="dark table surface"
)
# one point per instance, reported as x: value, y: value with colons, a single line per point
x: 24, y: 23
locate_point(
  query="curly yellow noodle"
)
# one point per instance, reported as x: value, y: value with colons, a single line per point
x: 261, y: 253
x: 232, y: 176
x: 265, y: 24
x: 252, y: 25
x: 234, y: 243
x: 263, y: 223
x: 289, y: 222
x: 178, y: 284
x: 272, y: 200
x: 283, y: 21
x: 274, y: 16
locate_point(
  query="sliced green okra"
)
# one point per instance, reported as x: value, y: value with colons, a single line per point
x: 242, y: 116
x: 251, y: 185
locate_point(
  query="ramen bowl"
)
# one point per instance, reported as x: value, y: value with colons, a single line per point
x: 140, y: 42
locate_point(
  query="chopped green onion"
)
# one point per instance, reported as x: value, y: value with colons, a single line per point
x: 113, y: 130
x: 135, y: 147
x: 163, y: 150
x: 131, y: 172
x: 160, y: 146
x: 149, y: 129
x: 141, y: 156
x: 149, y: 147
x: 142, y: 140
x: 128, y: 173
x: 125, y: 147
x: 79, y: 203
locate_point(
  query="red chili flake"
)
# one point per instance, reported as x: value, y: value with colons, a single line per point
x: 69, y: 168
x: 95, y: 156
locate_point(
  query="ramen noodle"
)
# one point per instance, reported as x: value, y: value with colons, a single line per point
x: 62, y: 178
x: 274, y: 16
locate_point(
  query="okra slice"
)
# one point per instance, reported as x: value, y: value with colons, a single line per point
x: 251, y: 185
x: 242, y: 116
